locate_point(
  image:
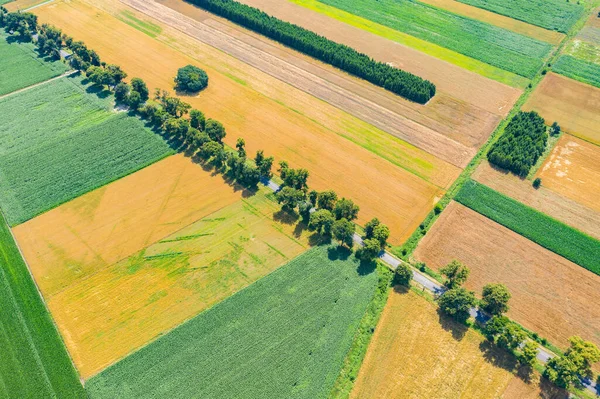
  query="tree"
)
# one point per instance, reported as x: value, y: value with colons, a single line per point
x: 312, y: 197
x: 583, y: 354
x: 370, y: 227
x: 175, y: 106
x: 215, y: 130
x: 403, y: 274
x: 240, y: 146
x: 456, y: 274
x: 561, y: 371
x: 537, y: 183
x: 381, y: 233
x: 289, y: 198
x: 511, y: 337
x: 296, y: 178
x: 139, y: 85
x: 495, y: 298
x: 457, y: 302
x: 265, y: 167
x: 346, y: 209
x: 327, y: 200
x: 321, y: 221
x: 116, y: 73
x: 343, y: 231
x: 555, y: 129
x: 191, y: 78
x: 197, y: 119
x: 210, y: 149
x: 121, y: 92
x: 529, y: 354
x: 496, y: 326
x: 134, y: 100
x: 369, y: 251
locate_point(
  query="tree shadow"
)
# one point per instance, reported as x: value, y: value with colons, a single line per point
x: 301, y: 226
x: 316, y: 239
x: 366, y: 267
x: 457, y: 329
x: 505, y: 171
x: 285, y: 217
x: 98, y: 90
x: 498, y: 356
x: 401, y: 289
x: 186, y: 93
x: 550, y: 391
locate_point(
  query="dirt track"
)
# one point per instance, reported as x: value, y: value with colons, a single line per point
x: 550, y: 295
x: 449, y: 130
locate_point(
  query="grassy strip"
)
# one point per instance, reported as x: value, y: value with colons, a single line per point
x: 536, y: 226
x: 345, y: 381
x: 583, y: 71
x: 493, y: 45
x: 35, y: 362
x: 557, y: 15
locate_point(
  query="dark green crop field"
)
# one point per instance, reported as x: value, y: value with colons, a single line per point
x: 493, y: 45
x: 285, y: 336
x: 58, y: 141
x: 574, y: 68
x: 557, y: 15
x: 35, y: 363
x: 21, y: 66
x: 551, y: 234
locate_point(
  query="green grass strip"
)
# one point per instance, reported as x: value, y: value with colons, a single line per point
x: 574, y: 68
x: 536, y: 226
x: 35, y: 363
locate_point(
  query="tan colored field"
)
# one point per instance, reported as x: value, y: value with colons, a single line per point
x: 559, y: 204
x: 550, y: 295
x: 390, y: 191
x: 498, y: 20
x: 123, y: 306
x: 22, y: 4
x: 416, y: 354
x: 574, y: 105
x: 119, y: 219
x: 573, y: 170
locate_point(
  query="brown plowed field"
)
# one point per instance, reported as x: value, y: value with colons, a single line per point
x: 466, y: 86
x: 456, y: 143
x: 415, y: 353
x: 574, y: 105
x: 343, y: 159
x: 550, y: 295
x: 560, y: 204
x: 573, y: 170
x: 492, y: 18
x: 119, y: 219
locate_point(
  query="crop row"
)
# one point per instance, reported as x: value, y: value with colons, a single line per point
x: 536, y: 226
x: 574, y: 68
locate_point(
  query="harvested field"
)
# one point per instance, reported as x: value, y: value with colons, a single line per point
x: 501, y: 21
x: 21, y: 66
x: 559, y: 205
x: 463, y: 85
x: 22, y: 4
x: 572, y: 170
x: 122, y: 307
x: 284, y: 336
x: 574, y: 105
x: 118, y: 220
x: 550, y: 295
x: 390, y: 191
x: 417, y: 353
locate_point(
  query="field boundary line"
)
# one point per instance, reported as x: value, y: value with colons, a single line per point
x: 66, y: 74
x: 38, y: 5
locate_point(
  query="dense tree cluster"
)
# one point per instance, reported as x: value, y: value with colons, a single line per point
x: 191, y: 78
x: 522, y: 143
x: 346, y: 58
x: 23, y: 24
x: 565, y: 369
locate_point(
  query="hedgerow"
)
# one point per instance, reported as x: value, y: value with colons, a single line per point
x: 522, y: 143
x: 346, y: 58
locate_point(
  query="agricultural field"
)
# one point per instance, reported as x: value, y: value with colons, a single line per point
x: 284, y: 336
x: 417, y: 353
x: 550, y: 14
x: 22, y: 67
x: 572, y: 104
x: 572, y: 170
x: 550, y: 295
x: 499, y: 47
x: 536, y: 226
x: 35, y: 362
x: 581, y: 70
x: 392, y: 190
x: 61, y: 140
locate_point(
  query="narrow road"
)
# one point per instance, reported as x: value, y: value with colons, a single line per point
x: 68, y: 73
x: 437, y: 289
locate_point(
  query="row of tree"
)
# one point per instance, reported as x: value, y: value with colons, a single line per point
x: 341, y: 56
x: 523, y: 142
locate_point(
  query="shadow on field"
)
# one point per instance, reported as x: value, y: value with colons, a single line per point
x: 457, y: 329
x: 497, y: 356
x: 401, y: 289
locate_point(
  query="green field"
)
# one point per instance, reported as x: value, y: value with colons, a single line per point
x: 583, y: 50
x: 557, y: 15
x: 493, y: 45
x: 583, y: 71
x: 536, y: 226
x: 21, y: 66
x: 285, y: 336
x: 58, y: 141
x: 35, y: 363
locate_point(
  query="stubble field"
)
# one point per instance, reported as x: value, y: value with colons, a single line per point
x: 550, y: 295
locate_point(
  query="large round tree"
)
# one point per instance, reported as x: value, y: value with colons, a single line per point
x: 191, y: 78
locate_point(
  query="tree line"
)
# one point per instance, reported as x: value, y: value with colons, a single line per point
x: 341, y: 56
x: 523, y: 142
